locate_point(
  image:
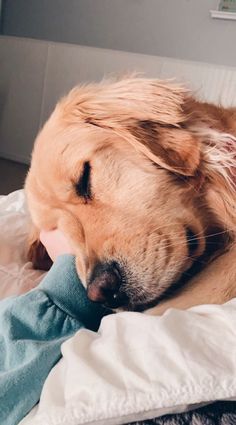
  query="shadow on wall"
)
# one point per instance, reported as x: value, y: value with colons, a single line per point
x: 3, y: 96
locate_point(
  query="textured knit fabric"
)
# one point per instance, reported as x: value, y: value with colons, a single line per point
x: 32, y: 328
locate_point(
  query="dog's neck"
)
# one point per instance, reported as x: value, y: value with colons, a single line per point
x: 218, y: 169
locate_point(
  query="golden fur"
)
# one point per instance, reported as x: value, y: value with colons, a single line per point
x: 162, y: 164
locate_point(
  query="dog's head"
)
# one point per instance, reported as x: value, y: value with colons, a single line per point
x: 118, y: 170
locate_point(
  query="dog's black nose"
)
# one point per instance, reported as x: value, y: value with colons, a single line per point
x: 104, y: 285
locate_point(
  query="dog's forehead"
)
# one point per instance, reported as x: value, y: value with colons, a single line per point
x: 66, y: 145
x: 60, y: 145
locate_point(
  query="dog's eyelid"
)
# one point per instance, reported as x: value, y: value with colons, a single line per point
x: 83, y: 185
x: 192, y: 240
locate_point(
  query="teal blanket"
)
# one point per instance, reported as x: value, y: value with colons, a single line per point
x: 32, y: 328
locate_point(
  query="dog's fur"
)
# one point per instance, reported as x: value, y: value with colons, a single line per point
x: 162, y: 199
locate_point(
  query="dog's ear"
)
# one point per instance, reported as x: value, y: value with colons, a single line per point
x: 111, y: 105
x: 148, y: 113
x: 39, y: 257
x: 173, y: 148
x: 36, y: 252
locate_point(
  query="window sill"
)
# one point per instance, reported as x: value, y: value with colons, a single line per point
x: 217, y: 14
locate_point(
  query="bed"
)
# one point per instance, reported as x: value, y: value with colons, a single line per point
x: 176, y: 369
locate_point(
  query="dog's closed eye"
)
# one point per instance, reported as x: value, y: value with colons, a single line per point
x: 83, y: 186
x: 192, y: 241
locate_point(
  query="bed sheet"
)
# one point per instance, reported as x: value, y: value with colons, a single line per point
x: 16, y: 273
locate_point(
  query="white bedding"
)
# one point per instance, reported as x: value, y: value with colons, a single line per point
x: 16, y: 274
x: 136, y: 366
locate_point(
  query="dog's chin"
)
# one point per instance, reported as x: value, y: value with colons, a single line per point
x: 169, y: 292
x: 141, y: 306
x: 126, y: 303
x: 129, y: 305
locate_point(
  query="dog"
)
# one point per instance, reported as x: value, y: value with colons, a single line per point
x: 141, y: 177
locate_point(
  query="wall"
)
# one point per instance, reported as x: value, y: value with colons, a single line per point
x: 173, y: 28
x: 35, y: 74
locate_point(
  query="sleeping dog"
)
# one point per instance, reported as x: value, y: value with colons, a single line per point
x: 141, y: 178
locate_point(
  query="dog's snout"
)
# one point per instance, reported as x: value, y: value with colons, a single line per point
x: 104, y: 284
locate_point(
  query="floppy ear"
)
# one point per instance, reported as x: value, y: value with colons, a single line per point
x: 147, y: 113
x: 113, y: 104
x: 39, y: 257
x: 173, y: 148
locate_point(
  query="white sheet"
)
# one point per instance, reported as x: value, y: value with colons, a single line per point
x: 16, y: 274
x: 136, y: 366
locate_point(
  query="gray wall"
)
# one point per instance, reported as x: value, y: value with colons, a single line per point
x: 172, y: 28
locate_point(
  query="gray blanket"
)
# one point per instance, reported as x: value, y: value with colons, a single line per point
x: 218, y: 413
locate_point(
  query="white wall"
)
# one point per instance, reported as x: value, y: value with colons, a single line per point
x: 34, y: 74
x: 173, y: 28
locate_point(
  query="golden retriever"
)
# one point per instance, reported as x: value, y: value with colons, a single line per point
x: 141, y: 177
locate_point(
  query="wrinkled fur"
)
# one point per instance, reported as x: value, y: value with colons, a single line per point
x: 161, y: 162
